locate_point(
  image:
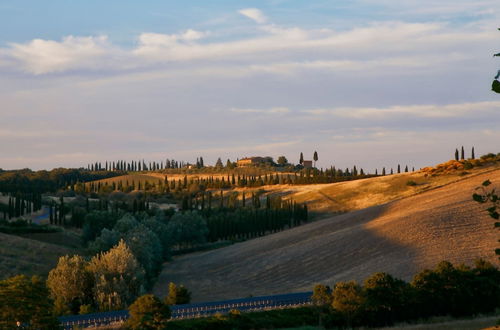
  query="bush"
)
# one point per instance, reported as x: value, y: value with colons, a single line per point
x: 411, y: 183
x: 148, y: 312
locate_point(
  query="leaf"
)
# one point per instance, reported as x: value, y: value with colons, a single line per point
x: 478, y: 198
x: 486, y: 183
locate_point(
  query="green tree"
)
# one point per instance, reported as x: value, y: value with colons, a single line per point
x: 456, y: 154
x: 70, y: 284
x: 171, y: 298
x: 348, y: 299
x: 26, y: 300
x: 187, y: 229
x: 386, y: 298
x: 315, y: 158
x: 282, y: 161
x: 322, y: 295
x: 301, y: 159
x: 462, y: 153
x: 183, y: 295
x: 148, y: 312
x: 118, y: 277
x: 218, y: 164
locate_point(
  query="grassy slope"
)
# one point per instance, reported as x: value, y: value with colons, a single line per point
x: 401, y: 237
x: 20, y: 255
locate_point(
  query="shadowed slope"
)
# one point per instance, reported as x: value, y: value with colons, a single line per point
x: 20, y: 255
x: 401, y: 238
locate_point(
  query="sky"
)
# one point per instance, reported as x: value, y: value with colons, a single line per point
x: 371, y: 83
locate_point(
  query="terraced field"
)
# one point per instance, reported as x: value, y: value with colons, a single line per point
x: 400, y: 237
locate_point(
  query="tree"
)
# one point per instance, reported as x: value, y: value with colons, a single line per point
x: 177, y: 295
x: 171, y: 298
x: 348, y: 299
x: 183, y: 295
x: 118, y: 278
x: 462, y: 153
x: 301, y: 159
x: 218, y: 164
x: 25, y: 301
x: 282, y: 161
x: 456, y: 155
x: 148, y: 312
x: 386, y: 298
x: 70, y: 284
x: 322, y: 295
x: 473, y: 156
x: 187, y: 229
x: 315, y: 158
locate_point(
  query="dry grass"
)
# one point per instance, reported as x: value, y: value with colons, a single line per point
x: 20, y: 255
x: 401, y: 237
x: 360, y: 194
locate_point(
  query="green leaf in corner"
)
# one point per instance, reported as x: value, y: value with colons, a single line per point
x: 478, y: 198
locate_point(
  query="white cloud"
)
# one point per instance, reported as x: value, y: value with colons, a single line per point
x: 270, y: 111
x: 254, y: 14
x: 420, y: 111
x: 44, y: 56
x: 280, y: 50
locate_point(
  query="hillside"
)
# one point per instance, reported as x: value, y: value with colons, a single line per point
x: 20, y: 255
x: 400, y: 237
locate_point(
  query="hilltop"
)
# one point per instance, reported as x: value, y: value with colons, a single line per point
x: 416, y: 230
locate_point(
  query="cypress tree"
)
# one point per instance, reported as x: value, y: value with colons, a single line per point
x: 473, y: 156
x: 399, y: 168
x: 406, y: 169
x: 456, y: 154
x: 462, y: 153
x: 301, y: 159
x: 383, y: 170
x: 315, y: 157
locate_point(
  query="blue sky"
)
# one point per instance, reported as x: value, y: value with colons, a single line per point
x: 370, y: 82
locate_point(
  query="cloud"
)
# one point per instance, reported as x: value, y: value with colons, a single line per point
x: 254, y: 14
x: 419, y: 111
x: 45, y: 56
x: 280, y: 50
x: 270, y: 111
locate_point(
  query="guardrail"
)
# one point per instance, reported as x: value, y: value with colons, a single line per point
x: 195, y: 310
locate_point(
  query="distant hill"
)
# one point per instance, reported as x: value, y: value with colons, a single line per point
x: 425, y: 223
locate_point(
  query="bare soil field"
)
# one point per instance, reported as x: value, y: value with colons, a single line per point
x: 401, y: 237
x: 19, y: 255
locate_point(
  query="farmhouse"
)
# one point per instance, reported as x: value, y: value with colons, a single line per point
x: 254, y: 161
x: 307, y: 163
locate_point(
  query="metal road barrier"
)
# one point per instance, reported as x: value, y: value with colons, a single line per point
x: 187, y: 311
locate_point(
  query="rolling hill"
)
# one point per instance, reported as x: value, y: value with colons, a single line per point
x: 401, y: 237
x: 22, y: 255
